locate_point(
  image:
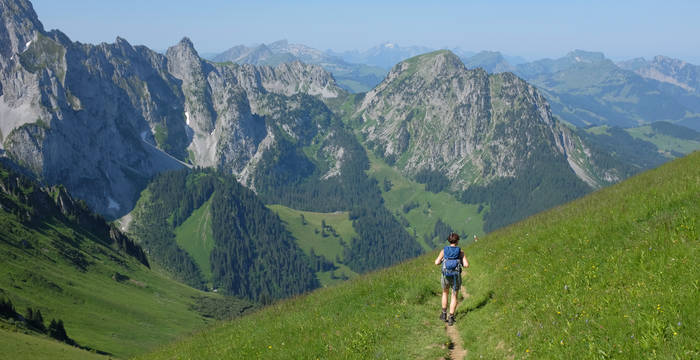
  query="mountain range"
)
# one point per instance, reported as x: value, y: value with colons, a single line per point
x: 144, y: 112
x: 587, y: 89
x: 584, y: 88
x: 355, y: 77
x: 211, y: 167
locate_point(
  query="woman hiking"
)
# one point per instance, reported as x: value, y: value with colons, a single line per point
x: 452, y: 259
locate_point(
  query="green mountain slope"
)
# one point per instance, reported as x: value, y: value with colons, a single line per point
x: 421, y: 209
x: 244, y: 249
x: 613, y: 274
x: 69, y: 264
x: 19, y: 346
x: 196, y: 237
x: 670, y: 139
x: 325, y: 245
x: 585, y: 88
x: 641, y: 148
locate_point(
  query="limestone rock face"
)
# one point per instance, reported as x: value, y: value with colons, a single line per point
x: 103, y: 119
x: 431, y: 113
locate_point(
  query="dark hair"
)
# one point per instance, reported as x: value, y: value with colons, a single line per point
x: 453, y: 238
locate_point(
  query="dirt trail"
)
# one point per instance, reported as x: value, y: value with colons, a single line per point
x: 458, y: 351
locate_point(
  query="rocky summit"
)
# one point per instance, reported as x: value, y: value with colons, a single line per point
x: 433, y: 114
x: 103, y: 119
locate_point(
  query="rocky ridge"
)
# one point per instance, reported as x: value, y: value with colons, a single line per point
x: 103, y: 119
x: 431, y: 113
x: 668, y: 70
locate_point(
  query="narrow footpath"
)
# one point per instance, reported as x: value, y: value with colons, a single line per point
x: 458, y: 351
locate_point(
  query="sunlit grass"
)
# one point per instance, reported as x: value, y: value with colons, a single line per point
x: 612, y: 275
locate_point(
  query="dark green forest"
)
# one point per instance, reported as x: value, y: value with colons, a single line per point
x: 541, y: 186
x: 254, y: 256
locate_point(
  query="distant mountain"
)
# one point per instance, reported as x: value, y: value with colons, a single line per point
x: 491, y: 61
x: 484, y: 134
x: 665, y: 69
x: 352, y: 77
x: 585, y: 88
x: 384, y: 56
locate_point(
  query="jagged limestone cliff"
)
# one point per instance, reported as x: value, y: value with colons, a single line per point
x: 103, y: 119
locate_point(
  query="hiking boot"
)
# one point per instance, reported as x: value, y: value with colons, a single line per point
x: 443, y: 316
x: 451, y: 320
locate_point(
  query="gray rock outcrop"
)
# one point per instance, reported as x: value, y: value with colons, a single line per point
x: 103, y: 119
x: 431, y: 113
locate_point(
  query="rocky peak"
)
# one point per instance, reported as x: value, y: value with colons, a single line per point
x: 184, y: 62
x: 18, y: 26
x: 428, y: 66
x: 183, y: 53
x: 433, y: 114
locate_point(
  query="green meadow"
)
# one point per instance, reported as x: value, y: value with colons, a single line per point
x: 429, y: 207
x: 611, y: 275
x: 17, y: 345
x: 123, y: 316
x: 307, y: 228
x: 665, y: 143
x: 195, y: 236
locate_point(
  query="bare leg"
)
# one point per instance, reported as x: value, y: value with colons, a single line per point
x: 444, y: 297
x: 453, y: 301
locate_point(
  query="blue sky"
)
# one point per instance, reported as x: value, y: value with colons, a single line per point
x: 532, y: 29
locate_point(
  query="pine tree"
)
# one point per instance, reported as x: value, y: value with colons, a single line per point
x: 38, y: 321
x: 57, y: 331
x: 7, y: 309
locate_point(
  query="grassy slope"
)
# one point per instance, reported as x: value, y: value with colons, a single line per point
x: 665, y: 143
x: 385, y: 314
x: 464, y: 219
x: 612, y: 274
x: 122, y: 318
x: 329, y: 246
x: 19, y: 346
x: 195, y: 236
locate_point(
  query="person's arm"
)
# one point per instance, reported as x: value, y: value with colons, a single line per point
x: 465, y: 263
x: 439, y: 258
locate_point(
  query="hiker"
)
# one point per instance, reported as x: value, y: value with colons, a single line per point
x: 452, y: 259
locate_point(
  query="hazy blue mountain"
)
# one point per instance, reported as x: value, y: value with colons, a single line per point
x: 385, y: 55
x: 585, y: 88
x: 462, y: 53
x: 668, y: 70
x: 491, y: 61
x: 351, y: 77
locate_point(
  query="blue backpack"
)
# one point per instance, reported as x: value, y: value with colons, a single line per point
x: 451, y: 263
